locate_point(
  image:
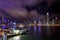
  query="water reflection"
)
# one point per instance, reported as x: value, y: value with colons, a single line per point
x: 35, y: 29
x: 39, y: 33
x: 15, y: 38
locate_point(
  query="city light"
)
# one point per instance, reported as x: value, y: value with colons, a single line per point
x: 29, y: 19
x: 21, y: 25
x: 16, y: 31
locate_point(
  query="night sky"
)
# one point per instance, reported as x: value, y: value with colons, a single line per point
x: 30, y: 8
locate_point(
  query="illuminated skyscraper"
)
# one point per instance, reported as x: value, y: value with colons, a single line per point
x: 48, y: 27
x: 47, y: 19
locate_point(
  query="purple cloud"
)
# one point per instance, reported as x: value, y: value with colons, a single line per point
x: 16, y: 7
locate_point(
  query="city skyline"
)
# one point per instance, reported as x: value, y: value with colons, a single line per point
x: 27, y: 9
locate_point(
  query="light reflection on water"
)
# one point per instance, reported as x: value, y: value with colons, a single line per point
x: 35, y: 29
x: 15, y: 38
x: 39, y: 29
x: 38, y: 33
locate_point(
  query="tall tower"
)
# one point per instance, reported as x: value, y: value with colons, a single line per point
x: 48, y: 27
x: 47, y: 19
